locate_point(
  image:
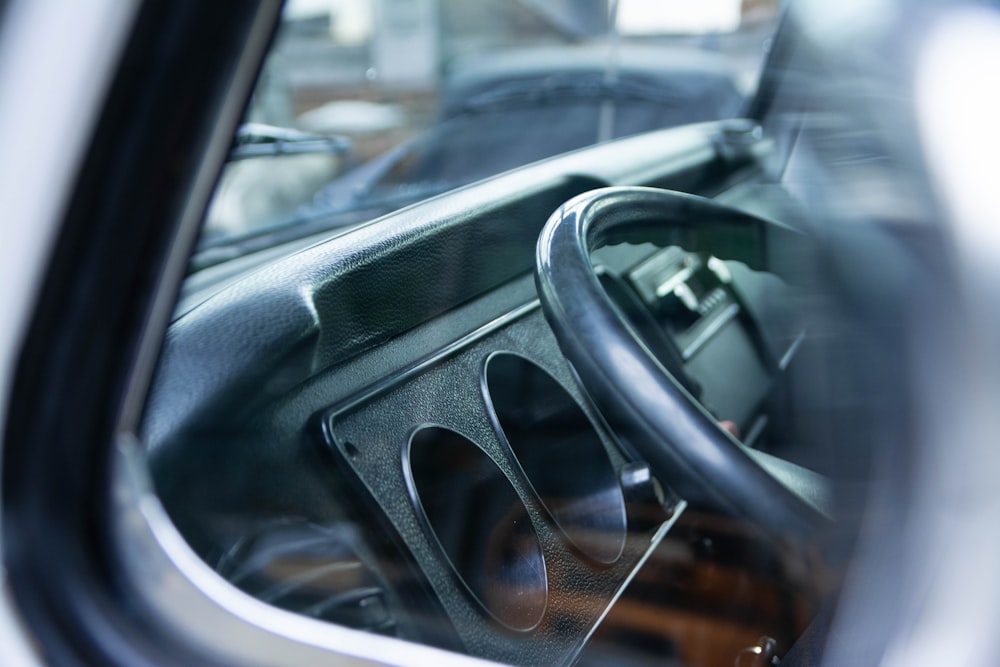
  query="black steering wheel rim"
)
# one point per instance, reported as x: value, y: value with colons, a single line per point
x: 642, y: 402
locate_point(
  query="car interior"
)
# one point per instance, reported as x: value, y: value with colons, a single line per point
x: 718, y: 393
x: 575, y: 413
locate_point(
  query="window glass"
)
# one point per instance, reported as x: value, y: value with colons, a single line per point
x: 365, y: 418
x: 365, y: 106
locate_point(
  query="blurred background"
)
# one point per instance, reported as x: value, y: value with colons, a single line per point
x: 416, y: 87
x: 336, y: 69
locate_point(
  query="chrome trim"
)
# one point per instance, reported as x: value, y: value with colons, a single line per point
x: 789, y: 354
x: 668, y: 285
x: 719, y: 268
x: 212, y: 615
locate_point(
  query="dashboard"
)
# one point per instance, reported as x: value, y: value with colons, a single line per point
x: 494, y: 470
x: 375, y: 434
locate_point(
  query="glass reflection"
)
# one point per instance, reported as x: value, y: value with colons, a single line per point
x: 480, y: 523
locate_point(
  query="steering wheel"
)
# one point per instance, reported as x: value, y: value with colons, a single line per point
x: 642, y: 402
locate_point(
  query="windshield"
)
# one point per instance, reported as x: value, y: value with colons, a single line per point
x: 364, y: 107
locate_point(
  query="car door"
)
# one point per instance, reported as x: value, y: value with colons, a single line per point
x: 108, y: 519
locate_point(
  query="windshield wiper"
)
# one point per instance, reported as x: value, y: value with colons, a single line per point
x: 258, y: 140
